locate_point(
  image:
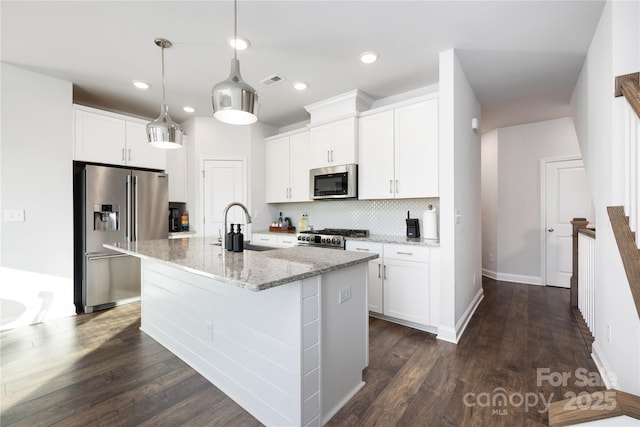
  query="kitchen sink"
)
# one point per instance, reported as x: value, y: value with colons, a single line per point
x: 250, y: 247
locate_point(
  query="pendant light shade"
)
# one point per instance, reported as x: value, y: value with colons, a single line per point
x: 234, y: 101
x: 164, y: 132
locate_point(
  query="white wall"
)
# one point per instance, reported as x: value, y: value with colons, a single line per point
x: 36, y: 144
x: 513, y: 155
x: 211, y: 139
x: 460, y: 222
x: 489, y: 184
x: 615, y: 50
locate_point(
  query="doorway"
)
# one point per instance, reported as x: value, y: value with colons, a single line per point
x: 223, y: 182
x: 565, y: 195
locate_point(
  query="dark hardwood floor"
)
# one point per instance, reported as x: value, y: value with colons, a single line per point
x: 99, y: 369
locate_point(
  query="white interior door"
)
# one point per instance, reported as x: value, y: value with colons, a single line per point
x: 223, y: 183
x: 567, y: 196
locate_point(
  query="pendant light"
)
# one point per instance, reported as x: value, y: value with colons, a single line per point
x: 234, y: 101
x: 164, y: 132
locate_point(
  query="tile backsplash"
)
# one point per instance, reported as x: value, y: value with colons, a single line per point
x: 377, y: 216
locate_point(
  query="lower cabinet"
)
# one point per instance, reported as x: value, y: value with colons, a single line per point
x: 285, y: 240
x: 400, y: 281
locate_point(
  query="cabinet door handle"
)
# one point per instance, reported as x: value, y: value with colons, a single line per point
x: 129, y: 154
x: 396, y: 185
x: 391, y: 186
x: 328, y: 156
x: 332, y: 155
x: 404, y: 253
x: 384, y: 272
x: 362, y: 249
x: 378, y: 271
x: 123, y: 154
x: 264, y: 240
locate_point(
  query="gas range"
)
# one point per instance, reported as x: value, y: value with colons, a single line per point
x: 329, y: 237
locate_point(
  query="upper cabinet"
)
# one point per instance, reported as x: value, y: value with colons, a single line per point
x: 105, y: 137
x: 398, y: 152
x: 288, y: 168
x: 334, y: 143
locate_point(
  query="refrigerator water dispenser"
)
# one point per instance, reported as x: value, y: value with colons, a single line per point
x: 106, y: 217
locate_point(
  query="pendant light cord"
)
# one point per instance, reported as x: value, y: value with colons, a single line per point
x: 163, y: 95
x: 235, y: 29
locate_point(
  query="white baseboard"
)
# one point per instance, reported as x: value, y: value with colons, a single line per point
x: 604, y: 368
x: 516, y: 278
x: 451, y: 335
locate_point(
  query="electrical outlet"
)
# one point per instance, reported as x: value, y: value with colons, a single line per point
x: 14, y: 215
x: 491, y: 258
x: 609, y: 333
x: 208, y: 330
x: 344, y: 295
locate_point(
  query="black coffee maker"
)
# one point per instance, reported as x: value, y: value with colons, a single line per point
x: 174, y: 220
x: 413, y: 226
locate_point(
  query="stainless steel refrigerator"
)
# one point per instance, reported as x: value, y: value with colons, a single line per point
x: 114, y: 205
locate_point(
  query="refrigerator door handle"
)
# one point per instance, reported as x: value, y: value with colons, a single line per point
x: 135, y: 208
x: 129, y: 210
x: 107, y: 256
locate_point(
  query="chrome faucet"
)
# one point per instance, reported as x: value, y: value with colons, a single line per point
x: 226, y: 211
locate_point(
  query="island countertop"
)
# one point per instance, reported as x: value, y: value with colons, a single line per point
x: 253, y: 270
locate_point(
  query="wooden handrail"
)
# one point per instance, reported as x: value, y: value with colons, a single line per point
x: 600, y: 405
x: 628, y: 86
x: 629, y: 252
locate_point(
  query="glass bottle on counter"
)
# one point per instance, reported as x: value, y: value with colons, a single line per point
x: 229, y: 241
x: 238, y: 240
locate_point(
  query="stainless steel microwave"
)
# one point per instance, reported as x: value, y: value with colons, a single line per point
x: 334, y: 182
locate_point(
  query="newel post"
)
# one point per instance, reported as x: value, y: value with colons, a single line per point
x: 573, y: 295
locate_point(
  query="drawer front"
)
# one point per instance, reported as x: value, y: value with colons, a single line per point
x: 264, y: 239
x: 406, y: 252
x: 287, y: 241
x: 360, y: 246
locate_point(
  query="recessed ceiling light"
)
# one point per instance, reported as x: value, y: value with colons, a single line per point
x: 140, y: 84
x: 189, y: 109
x: 300, y: 85
x: 239, y: 43
x: 369, y: 57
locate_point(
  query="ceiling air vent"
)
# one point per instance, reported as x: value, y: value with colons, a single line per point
x: 271, y: 80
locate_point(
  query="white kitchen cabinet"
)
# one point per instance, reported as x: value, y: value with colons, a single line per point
x: 334, y: 143
x: 406, y: 283
x: 177, y: 171
x: 398, y: 152
x: 139, y: 152
x: 105, y: 137
x: 288, y: 168
x: 285, y: 240
x: 375, y: 284
x: 401, y: 283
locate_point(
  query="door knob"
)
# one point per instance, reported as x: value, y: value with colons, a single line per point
x: 550, y: 230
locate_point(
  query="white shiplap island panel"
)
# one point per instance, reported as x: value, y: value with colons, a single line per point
x: 291, y: 354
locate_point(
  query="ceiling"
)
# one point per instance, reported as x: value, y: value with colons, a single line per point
x: 521, y: 57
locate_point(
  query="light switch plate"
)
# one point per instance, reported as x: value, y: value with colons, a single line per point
x: 14, y: 215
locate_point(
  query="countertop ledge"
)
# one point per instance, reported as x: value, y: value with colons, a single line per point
x: 402, y: 240
x: 252, y: 270
x: 379, y: 238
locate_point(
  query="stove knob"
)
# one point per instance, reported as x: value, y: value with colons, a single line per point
x: 323, y: 240
x: 300, y: 238
x: 308, y: 238
x: 333, y: 241
x: 338, y: 241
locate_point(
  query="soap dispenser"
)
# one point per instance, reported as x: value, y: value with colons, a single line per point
x: 238, y: 241
x: 229, y: 241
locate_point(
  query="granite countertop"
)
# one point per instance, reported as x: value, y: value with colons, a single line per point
x: 384, y: 238
x: 251, y: 270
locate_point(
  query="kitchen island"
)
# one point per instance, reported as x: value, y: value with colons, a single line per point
x: 282, y: 332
